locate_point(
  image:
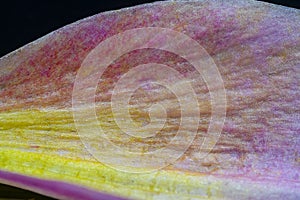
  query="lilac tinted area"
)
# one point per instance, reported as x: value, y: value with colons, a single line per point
x: 54, y: 189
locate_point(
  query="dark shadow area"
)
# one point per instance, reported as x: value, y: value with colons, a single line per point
x: 289, y: 3
x: 25, y: 21
x: 13, y: 193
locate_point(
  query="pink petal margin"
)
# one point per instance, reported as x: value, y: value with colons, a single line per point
x: 54, y: 189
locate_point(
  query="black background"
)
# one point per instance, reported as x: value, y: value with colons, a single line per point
x: 24, y: 21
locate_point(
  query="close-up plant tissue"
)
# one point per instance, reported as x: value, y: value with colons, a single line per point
x: 166, y: 100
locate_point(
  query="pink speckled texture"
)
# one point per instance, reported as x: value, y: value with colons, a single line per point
x: 256, y: 47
